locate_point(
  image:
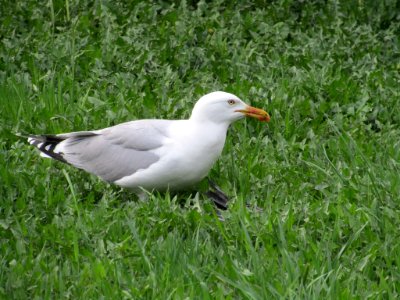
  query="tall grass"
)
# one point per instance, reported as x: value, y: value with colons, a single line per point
x: 325, y: 170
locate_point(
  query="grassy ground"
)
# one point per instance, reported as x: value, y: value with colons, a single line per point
x: 325, y: 170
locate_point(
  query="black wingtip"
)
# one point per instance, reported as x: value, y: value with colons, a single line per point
x: 47, y: 144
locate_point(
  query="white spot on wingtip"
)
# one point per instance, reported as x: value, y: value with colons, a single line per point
x: 47, y: 148
x: 31, y: 140
x: 44, y: 155
x: 39, y: 145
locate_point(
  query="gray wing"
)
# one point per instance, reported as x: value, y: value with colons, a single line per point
x: 114, y: 152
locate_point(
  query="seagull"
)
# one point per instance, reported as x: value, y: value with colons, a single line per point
x: 153, y: 154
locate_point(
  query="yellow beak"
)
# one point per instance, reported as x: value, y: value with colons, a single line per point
x: 257, y: 113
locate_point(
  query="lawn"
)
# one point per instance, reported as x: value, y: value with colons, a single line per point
x: 325, y: 170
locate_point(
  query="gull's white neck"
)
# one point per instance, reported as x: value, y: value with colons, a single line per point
x: 199, y: 130
x: 205, y: 121
x: 206, y: 131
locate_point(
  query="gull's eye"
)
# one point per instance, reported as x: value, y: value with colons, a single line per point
x: 231, y: 102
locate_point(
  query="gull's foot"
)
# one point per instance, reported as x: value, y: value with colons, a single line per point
x: 219, y: 215
x: 217, y: 196
x: 220, y: 200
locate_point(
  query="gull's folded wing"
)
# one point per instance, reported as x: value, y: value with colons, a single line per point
x: 111, y: 153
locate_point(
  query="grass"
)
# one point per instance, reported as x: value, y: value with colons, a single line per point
x: 325, y: 170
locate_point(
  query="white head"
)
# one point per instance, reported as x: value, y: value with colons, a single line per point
x: 222, y: 107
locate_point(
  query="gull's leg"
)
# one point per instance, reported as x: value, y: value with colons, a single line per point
x: 217, y: 196
x: 220, y: 199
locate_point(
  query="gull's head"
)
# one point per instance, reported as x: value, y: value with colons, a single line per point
x: 222, y: 107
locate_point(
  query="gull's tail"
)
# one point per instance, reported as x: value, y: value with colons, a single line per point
x: 47, y: 145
